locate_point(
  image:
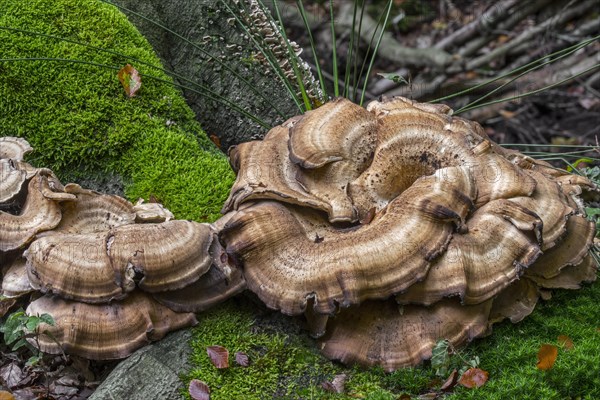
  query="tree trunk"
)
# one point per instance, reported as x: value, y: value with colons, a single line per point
x: 208, y: 47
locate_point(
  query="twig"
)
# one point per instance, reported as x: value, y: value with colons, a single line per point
x: 532, y: 32
x: 507, y: 25
x: 390, y: 48
x: 492, y: 16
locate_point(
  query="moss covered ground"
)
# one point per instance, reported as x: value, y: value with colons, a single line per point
x: 285, y: 362
x: 81, y: 123
x: 79, y: 120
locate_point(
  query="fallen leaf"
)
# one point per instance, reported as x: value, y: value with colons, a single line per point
x: 130, y: 79
x: 566, y: 342
x: 473, y: 378
x: 545, y: 294
x: 4, y: 395
x: 337, y: 385
x: 588, y: 103
x: 215, y: 139
x: 242, y: 359
x: 450, y: 382
x: 199, y: 390
x: 219, y: 356
x: 429, y: 396
x: 6, y: 304
x: 547, y: 356
x: 503, y: 39
x: 507, y: 114
x: 11, y: 375
x: 404, y: 396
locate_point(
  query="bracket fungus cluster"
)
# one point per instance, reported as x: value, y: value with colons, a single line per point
x: 397, y: 225
x: 113, y: 275
x: 388, y: 228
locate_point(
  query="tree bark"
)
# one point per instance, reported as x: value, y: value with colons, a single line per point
x: 208, y: 47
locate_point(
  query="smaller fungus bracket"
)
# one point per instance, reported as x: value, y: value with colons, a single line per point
x: 337, y: 131
x: 104, y: 331
x: 11, y: 180
x: 75, y: 266
x: 14, y: 148
x: 15, y: 282
x: 168, y: 256
x: 93, y: 212
x: 265, y: 171
x: 571, y: 248
x: 39, y: 213
x: 392, y: 336
x: 100, y: 266
x: 151, y: 212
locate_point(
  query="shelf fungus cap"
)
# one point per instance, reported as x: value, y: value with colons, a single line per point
x: 93, y: 212
x: 382, y: 333
x: 290, y: 255
x: 333, y: 145
x: 501, y: 241
x: 265, y: 171
x: 572, y: 248
x: 11, y: 180
x: 411, y: 143
x: 101, y: 266
x: 14, y: 148
x: 39, y: 213
x: 338, y: 130
x: 151, y: 212
x: 15, y: 282
x: 210, y: 289
x: 104, y: 331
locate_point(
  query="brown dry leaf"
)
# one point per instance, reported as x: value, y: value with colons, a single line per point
x: 199, y: 390
x: 588, y: 103
x: 337, y: 385
x: 4, y: 395
x: 507, y: 114
x: 130, y: 79
x: 547, y: 356
x: 450, y: 382
x: 545, y: 294
x: 11, y: 375
x: 564, y: 141
x: 503, y: 39
x: 473, y: 378
x: 404, y: 396
x: 215, y: 139
x: 241, y: 359
x: 6, y: 304
x: 566, y: 342
x: 219, y: 356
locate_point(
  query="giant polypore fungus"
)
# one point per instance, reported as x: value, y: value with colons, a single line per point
x: 100, y: 260
x: 396, y: 226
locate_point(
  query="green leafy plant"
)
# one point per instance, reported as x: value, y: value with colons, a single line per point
x: 445, y: 358
x: 19, y: 328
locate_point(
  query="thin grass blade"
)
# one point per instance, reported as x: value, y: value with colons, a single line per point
x: 387, y: 16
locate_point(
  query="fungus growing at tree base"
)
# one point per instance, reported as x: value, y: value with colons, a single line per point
x: 396, y: 226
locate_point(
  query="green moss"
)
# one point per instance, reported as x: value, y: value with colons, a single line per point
x: 286, y: 364
x: 79, y: 120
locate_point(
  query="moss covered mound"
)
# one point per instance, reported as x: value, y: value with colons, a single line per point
x: 66, y: 100
x: 286, y: 365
